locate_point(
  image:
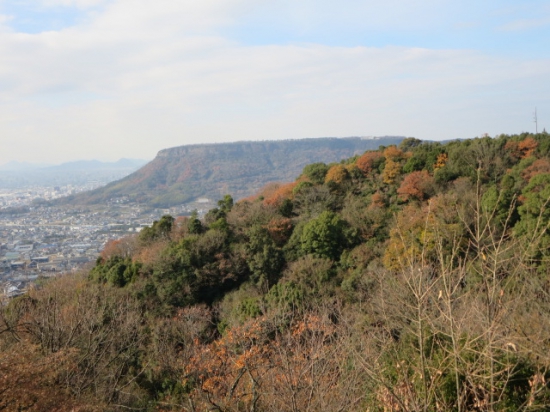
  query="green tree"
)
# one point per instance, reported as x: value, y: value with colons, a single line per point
x: 535, y: 217
x: 424, y: 157
x: 265, y: 260
x: 316, y: 172
x: 160, y: 229
x: 325, y: 236
x: 499, y: 203
x: 224, y: 207
x: 117, y: 271
x: 194, y: 225
x: 226, y: 204
x: 409, y: 144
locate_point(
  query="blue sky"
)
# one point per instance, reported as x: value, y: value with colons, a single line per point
x: 83, y: 79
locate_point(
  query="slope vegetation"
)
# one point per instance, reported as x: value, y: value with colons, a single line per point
x: 410, y: 278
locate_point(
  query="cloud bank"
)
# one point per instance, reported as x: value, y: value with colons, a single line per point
x: 128, y: 78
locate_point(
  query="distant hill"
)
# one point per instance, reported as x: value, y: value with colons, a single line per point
x: 90, y: 165
x: 182, y: 174
x: 15, y: 166
x: 80, y: 165
x: 18, y: 175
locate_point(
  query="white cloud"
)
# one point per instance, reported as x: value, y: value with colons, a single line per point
x: 140, y: 76
x: 525, y: 24
x: 72, y: 3
x: 308, y: 15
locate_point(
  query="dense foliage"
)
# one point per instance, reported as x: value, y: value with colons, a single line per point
x: 410, y: 278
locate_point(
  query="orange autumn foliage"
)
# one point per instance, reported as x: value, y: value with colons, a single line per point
x: 120, y: 247
x: 111, y: 249
x: 226, y: 370
x: 415, y: 185
x: 366, y: 161
x: 277, y: 195
x: 268, y: 190
x: 441, y: 161
x: 29, y: 380
x: 179, y: 228
x: 249, y: 199
x: 523, y: 149
x: 393, y: 153
x: 418, y: 229
x: 391, y: 171
x: 337, y: 174
x: 539, y: 166
x: 280, y: 229
x: 258, y: 366
x: 378, y: 200
x: 527, y: 147
x: 151, y: 253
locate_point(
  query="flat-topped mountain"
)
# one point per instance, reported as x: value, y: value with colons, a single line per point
x: 181, y: 174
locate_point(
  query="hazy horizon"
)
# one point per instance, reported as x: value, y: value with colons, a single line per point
x: 23, y: 166
x: 37, y: 165
x: 111, y: 79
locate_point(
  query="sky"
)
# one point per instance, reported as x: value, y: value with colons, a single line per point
x: 106, y: 79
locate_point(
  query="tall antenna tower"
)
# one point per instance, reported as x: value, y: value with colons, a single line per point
x: 535, y: 120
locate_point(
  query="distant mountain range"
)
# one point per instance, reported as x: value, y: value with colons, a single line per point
x: 71, y: 166
x: 15, y: 166
x: 21, y: 175
x: 181, y: 174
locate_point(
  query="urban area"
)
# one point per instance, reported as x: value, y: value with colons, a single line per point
x: 38, y: 240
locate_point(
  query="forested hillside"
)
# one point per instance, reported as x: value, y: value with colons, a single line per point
x: 181, y: 174
x: 410, y: 278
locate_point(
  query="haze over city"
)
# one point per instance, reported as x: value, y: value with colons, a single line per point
x: 105, y: 79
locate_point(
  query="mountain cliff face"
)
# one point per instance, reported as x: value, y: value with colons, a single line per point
x: 181, y: 174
